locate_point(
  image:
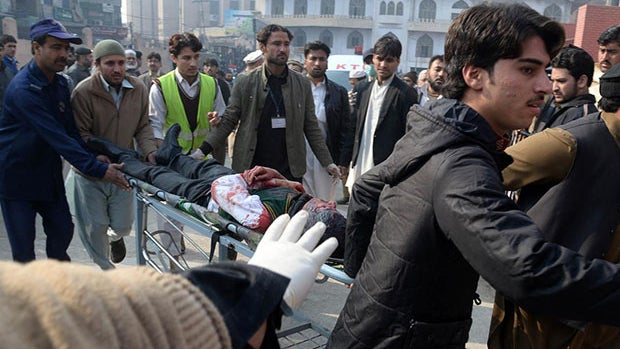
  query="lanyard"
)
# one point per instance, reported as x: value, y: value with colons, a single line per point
x: 276, y: 103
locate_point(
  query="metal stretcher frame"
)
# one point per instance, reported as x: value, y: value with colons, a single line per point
x: 145, y: 195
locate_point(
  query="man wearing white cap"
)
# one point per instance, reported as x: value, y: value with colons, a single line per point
x: 131, y: 66
x: 113, y: 105
x: 356, y: 76
x: 36, y: 129
x: 253, y: 60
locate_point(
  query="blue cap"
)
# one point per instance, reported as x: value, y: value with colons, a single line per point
x: 52, y: 27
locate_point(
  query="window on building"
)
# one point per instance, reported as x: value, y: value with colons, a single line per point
x: 424, y: 47
x: 357, y: 8
x: 327, y: 37
x: 390, y: 8
x: 400, y: 8
x: 328, y: 7
x: 458, y: 7
x: 428, y: 10
x: 355, y: 39
x: 234, y: 5
x: 299, y: 39
x: 382, y: 8
x: 277, y: 7
x: 214, y: 12
x: 553, y: 11
x: 301, y: 7
x: 252, y: 5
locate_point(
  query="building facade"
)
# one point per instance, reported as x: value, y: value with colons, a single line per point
x: 103, y: 17
x: 352, y: 26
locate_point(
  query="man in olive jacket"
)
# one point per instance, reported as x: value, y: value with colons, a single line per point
x: 275, y: 111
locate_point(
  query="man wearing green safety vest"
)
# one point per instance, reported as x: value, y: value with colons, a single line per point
x: 185, y: 96
x: 191, y: 99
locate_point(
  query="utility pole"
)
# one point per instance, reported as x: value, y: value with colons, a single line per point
x: 132, y: 42
x: 181, y: 15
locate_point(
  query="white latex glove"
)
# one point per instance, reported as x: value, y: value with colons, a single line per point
x: 281, y: 250
x: 334, y: 171
x: 197, y: 154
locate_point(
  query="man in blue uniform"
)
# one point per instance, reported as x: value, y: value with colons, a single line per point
x: 36, y: 129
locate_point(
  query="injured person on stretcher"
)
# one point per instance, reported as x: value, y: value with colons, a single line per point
x: 253, y: 198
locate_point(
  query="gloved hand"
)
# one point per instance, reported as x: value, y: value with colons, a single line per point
x: 334, y: 171
x: 283, y: 251
x: 197, y: 154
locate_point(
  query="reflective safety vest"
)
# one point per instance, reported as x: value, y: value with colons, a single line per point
x: 188, y: 140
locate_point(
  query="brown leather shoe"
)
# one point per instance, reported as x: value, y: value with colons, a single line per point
x: 117, y: 251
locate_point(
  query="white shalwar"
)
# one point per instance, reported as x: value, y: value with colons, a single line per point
x: 365, y: 160
x: 317, y: 181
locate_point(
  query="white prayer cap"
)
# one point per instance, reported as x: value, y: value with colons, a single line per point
x: 253, y: 57
x: 357, y: 74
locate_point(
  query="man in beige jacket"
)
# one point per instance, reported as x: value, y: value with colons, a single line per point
x: 113, y: 106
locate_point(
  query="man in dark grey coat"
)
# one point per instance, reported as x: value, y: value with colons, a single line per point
x: 80, y: 70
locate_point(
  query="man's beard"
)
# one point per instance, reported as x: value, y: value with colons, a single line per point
x: 275, y: 61
x: 316, y: 74
x: 131, y: 66
x: 436, y: 86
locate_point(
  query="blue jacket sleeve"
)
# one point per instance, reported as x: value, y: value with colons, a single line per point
x: 35, y: 107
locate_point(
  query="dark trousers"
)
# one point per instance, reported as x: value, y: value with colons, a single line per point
x: 184, y: 176
x: 19, y: 220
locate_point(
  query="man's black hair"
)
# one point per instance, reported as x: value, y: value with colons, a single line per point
x: 178, y: 42
x: 263, y: 35
x: 610, y: 34
x: 315, y: 46
x: 155, y: 55
x: 483, y: 34
x: 7, y: 38
x: 576, y: 60
x: 388, y: 45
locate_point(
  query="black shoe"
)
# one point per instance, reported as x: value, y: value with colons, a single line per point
x: 111, y: 150
x: 117, y: 251
x: 169, y: 147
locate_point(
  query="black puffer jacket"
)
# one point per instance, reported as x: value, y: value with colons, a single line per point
x: 443, y: 218
x: 338, y: 114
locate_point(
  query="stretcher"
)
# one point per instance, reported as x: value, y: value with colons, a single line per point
x: 227, y: 238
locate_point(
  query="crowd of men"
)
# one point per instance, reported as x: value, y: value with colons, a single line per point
x: 426, y: 158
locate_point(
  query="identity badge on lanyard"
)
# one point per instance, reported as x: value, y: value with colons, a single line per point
x: 279, y: 121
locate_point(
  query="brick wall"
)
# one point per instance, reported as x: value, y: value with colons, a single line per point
x: 591, y: 21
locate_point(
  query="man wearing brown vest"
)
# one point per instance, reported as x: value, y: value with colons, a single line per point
x: 568, y: 177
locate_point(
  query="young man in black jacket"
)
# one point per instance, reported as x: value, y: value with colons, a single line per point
x: 380, y: 114
x: 426, y: 223
x: 571, y: 76
x: 331, y: 105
